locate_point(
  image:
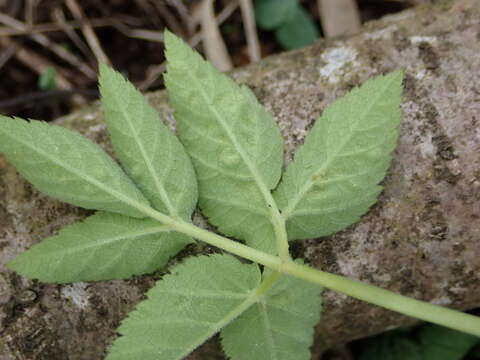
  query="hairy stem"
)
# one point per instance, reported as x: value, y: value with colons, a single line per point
x: 372, y: 294
x: 255, y: 296
x: 369, y: 293
x: 281, y: 238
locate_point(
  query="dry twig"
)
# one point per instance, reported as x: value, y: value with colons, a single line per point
x: 48, y: 44
x: 88, y: 32
x: 49, y: 27
x: 214, y: 46
x: 248, y: 17
x: 339, y: 17
x: 59, y: 16
x: 155, y: 71
x: 144, y: 34
x: 7, y: 53
x: 36, y: 62
x: 222, y: 16
x: 184, y: 15
x: 170, y: 19
x: 30, y: 12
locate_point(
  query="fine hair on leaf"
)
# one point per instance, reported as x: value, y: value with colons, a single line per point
x: 228, y: 158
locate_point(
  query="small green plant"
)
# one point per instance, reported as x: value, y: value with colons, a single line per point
x: 232, y: 149
x: 47, y: 79
x: 292, y: 24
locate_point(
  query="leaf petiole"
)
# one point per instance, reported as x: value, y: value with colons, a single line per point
x: 374, y: 295
x: 279, y: 227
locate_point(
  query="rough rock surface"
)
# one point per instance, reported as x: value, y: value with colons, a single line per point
x: 421, y: 239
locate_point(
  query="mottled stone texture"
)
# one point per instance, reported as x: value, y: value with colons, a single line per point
x: 421, y: 239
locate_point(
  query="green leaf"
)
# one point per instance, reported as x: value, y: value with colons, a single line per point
x: 333, y: 178
x: 235, y: 145
x: 298, y: 31
x: 394, y: 345
x: 186, y: 308
x: 47, y: 79
x: 429, y: 342
x: 69, y: 167
x: 278, y: 327
x: 271, y: 14
x: 151, y: 155
x: 105, y: 246
x: 440, y: 343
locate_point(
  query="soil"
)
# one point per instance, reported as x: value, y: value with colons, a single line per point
x: 20, y: 94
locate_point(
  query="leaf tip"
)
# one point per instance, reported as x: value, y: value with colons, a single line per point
x: 168, y: 36
x: 12, y: 264
x: 111, y: 83
x: 398, y: 75
x: 171, y: 40
x: 176, y: 48
x: 18, y: 265
x: 103, y: 68
x: 395, y: 77
x: 105, y: 72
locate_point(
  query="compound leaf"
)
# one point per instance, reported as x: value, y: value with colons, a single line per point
x: 186, y: 308
x: 105, y: 246
x: 271, y: 14
x: 151, y: 155
x: 333, y: 178
x: 279, y: 326
x: 67, y: 166
x: 234, y: 143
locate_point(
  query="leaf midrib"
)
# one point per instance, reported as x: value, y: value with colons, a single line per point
x: 138, y: 206
x: 250, y: 300
x: 256, y: 176
x: 292, y: 204
x: 146, y: 159
x: 106, y: 241
x: 268, y: 330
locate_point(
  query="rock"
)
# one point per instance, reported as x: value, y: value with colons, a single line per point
x: 420, y: 239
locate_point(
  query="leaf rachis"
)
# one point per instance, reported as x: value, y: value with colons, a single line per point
x: 236, y: 149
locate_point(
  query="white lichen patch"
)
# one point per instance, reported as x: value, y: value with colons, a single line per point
x: 427, y: 148
x: 336, y: 59
x: 458, y: 290
x: 89, y: 117
x: 420, y: 74
x: 423, y: 39
x: 97, y: 128
x: 380, y: 34
x: 383, y: 278
x: 77, y: 294
x: 442, y: 300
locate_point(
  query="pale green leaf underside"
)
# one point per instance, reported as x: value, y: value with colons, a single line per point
x: 278, y: 327
x: 185, y: 308
x: 234, y: 143
x: 151, y: 155
x: 105, y: 246
x: 334, y: 177
x: 69, y: 167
